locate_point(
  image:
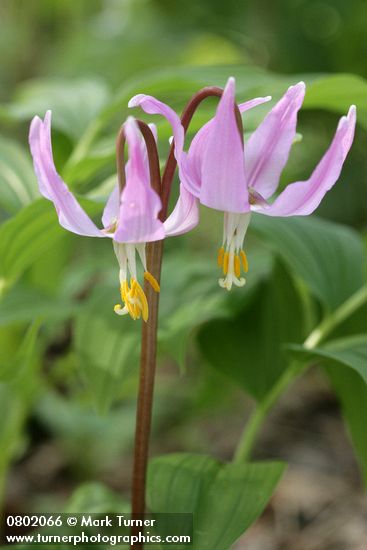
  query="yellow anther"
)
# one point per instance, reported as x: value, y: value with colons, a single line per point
x: 125, y: 296
x: 220, y: 256
x: 124, y: 290
x: 225, y: 263
x: 244, y: 261
x: 133, y: 284
x: 152, y: 281
x: 237, y: 266
x: 143, y: 302
x: 135, y: 301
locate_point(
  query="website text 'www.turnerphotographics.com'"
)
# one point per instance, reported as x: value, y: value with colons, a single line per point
x: 89, y: 529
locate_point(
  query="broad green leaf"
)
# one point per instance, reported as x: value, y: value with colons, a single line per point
x: 21, y: 362
x: 328, y: 257
x: 350, y: 352
x: 248, y: 348
x: 17, y: 395
x: 18, y: 186
x: 75, y: 423
x: 225, y: 499
x: 107, y: 346
x: 337, y: 93
x: 24, y: 303
x: 101, y: 157
x: 352, y: 393
x: 74, y: 103
x: 28, y: 235
x: 346, y: 364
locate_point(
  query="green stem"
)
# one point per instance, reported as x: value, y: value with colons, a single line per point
x: 257, y: 418
x: 342, y: 313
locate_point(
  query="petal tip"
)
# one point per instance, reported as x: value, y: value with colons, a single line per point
x: 352, y: 112
x: 298, y: 89
x: 48, y: 117
x: 135, y: 100
x: 230, y: 85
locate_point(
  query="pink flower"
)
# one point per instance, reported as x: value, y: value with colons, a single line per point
x: 221, y: 173
x: 130, y: 219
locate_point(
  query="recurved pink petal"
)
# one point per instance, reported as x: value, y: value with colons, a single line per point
x: 267, y: 150
x: 223, y: 184
x: 153, y: 106
x: 140, y: 204
x: 303, y: 197
x: 185, y: 215
x: 71, y: 215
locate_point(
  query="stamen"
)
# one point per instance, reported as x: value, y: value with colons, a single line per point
x: 237, y: 266
x: 134, y: 299
x: 225, y: 263
x: 143, y: 302
x: 125, y: 296
x: 220, y: 256
x: 152, y: 281
x: 244, y: 261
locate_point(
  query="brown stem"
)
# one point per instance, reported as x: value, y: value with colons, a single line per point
x: 149, y: 329
x: 146, y: 385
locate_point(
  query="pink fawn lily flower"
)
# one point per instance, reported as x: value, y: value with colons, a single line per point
x: 221, y: 173
x: 130, y: 219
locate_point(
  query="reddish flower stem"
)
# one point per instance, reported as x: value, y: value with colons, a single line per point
x: 154, y: 264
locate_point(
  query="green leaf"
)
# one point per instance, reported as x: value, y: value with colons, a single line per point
x: 350, y: 352
x: 107, y: 347
x: 337, y: 93
x: 248, y: 348
x: 18, y: 186
x: 17, y: 395
x: 28, y: 235
x: 328, y: 257
x: 352, y: 394
x: 74, y: 103
x: 224, y: 498
x: 346, y: 364
x: 20, y: 365
x: 24, y: 303
x: 75, y: 424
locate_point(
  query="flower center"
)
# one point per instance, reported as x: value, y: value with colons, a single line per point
x: 231, y: 256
